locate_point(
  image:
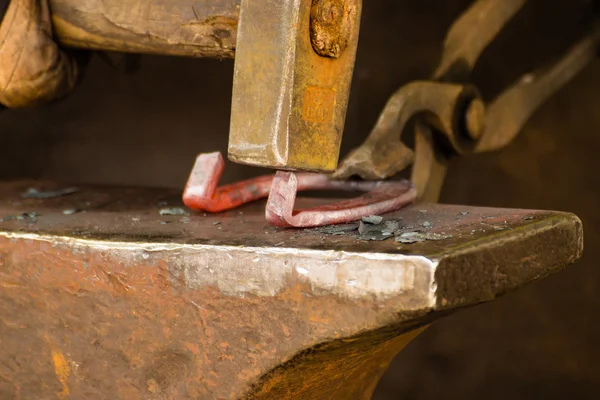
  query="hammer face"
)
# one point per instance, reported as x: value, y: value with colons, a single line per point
x: 289, y: 102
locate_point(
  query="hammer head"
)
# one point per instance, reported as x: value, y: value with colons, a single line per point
x: 293, y: 69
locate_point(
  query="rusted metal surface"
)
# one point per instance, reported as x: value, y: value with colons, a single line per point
x: 466, y: 40
x: 118, y: 301
x: 332, y: 23
x: 189, y: 28
x: 289, y: 103
x: 381, y: 198
x: 383, y: 154
x: 201, y: 194
x: 510, y: 111
x: 442, y: 105
x: 471, y: 34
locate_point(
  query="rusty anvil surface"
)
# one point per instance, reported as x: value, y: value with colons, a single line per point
x: 118, y: 301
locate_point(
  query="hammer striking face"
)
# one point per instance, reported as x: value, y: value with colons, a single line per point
x: 293, y: 70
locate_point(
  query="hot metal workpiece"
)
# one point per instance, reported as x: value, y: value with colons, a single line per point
x: 202, y: 194
x: 118, y: 301
x: 382, y: 198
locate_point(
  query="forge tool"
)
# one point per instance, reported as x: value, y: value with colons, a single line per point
x: 451, y: 118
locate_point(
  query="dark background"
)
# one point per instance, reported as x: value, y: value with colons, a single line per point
x: 541, y: 342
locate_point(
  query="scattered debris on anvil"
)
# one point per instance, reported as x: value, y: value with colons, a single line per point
x: 372, y: 219
x: 33, y: 193
x: 29, y: 217
x: 379, y: 231
x: 376, y: 228
x: 71, y: 211
x: 415, y: 237
x: 179, y: 211
x: 337, y: 230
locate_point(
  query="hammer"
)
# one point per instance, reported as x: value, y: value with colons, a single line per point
x: 294, y: 61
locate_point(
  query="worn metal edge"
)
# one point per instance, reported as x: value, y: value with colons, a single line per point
x: 539, y: 249
x: 268, y: 271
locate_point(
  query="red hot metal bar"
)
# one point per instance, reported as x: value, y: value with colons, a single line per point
x: 201, y: 193
x: 382, y: 197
